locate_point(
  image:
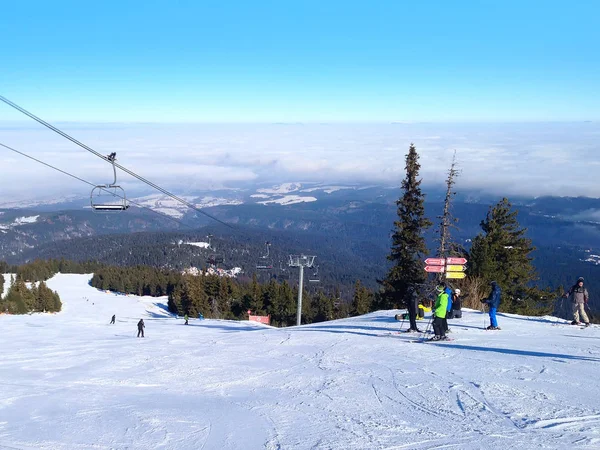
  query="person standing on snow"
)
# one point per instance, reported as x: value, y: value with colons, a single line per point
x: 579, y: 298
x: 439, y: 314
x: 412, y: 303
x: 493, y: 302
x: 186, y: 319
x: 448, y: 291
x: 141, y: 327
x: 112, y: 321
x: 456, y: 312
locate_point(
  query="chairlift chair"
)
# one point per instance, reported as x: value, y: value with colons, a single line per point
x: 214, y: 258
x: 265, y: 262
x: 314, y: 277
x: 284, y: 274
x: 107, y: 198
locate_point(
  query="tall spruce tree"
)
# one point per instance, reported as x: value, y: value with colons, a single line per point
x: 408, y: 243
x: 502, y: 253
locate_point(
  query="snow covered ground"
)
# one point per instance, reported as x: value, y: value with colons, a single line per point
x: 72, y: 381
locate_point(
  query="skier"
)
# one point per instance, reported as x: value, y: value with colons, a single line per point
x: 412, y: 302
x: 493, y: 302
x: 186, y: 319
x: 456, y: 312
x: 439, y: 314
x: 112, y: 321
x: 141, y: 327
x: 579, y: 298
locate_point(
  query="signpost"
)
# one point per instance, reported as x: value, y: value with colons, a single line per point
x: 459, y: 275
x: 435, y: 261
x: 459, y: 261
x: 453, y: 267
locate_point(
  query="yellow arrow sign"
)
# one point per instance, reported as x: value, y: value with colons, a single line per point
x: 456, y: 275
x: 455, y: 268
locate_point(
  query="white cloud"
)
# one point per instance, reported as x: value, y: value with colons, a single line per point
x: 534, y: 159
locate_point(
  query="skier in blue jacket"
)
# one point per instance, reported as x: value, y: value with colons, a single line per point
x: 493, y: 302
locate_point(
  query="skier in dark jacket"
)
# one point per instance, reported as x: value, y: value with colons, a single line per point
x: 493, y: 302
x: 456, y: 312
x: 112, y: 321
x: 579, y: 298
x: 412, y: 303
x: 141, y: 327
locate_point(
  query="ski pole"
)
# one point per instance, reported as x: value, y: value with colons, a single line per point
x: 429, y: 324
x: 589, y: 311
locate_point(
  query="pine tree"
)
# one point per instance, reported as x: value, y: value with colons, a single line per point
x: 408, y: 243
x: 502, y: 253
x: 362, y: 300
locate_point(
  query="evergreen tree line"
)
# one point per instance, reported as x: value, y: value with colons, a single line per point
x: 42, y: 270
x: 22, y: 300
x: 222, y: 297
x: 227, y: 298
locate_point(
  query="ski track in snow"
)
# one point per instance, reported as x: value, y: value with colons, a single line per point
x: 71, y: 381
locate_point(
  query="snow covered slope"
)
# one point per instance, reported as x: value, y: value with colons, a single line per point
x: 72, y: 381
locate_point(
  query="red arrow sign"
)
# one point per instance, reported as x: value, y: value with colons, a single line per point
x: 435, y: 261
x: 438, y: 269
x: 459, y: 261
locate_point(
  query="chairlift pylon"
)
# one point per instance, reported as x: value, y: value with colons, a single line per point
x: 117, y: 200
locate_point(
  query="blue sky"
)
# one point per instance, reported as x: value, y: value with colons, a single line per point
x: 309, y: 61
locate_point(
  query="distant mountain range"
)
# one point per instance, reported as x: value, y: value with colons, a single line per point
x: 347, y: 227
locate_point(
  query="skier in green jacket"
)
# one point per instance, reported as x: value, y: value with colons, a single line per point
x: 186, y: 319
x: 439, y: 314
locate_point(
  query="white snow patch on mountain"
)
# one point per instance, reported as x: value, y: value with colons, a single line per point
x: 328, y: 189
x: 74, y: 381
x: 174, y: 208
x: 259, y: 196
x: 198, y: 244
x: 289, y: 200
x: 284, y: 188
x: 19, y: 221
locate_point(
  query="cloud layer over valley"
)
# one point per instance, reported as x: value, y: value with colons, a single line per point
x: 525, y: 159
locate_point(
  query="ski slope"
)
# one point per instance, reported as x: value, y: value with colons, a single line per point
x: 72, y: 381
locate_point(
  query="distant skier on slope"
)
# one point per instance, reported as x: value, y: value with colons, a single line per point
x: 112, y: 321
x: 439, y: 314
x: 186, y: 319
x: 141, y: 327
x: 579, y: 298
x: 493, y: 302
x: 412, y: 303
x: 456, y: 311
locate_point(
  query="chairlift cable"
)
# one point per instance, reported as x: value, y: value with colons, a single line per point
x: 101, y: 156
x: 92, y: 184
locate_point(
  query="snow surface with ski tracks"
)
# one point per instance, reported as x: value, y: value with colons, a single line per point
x: 72, y: 381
